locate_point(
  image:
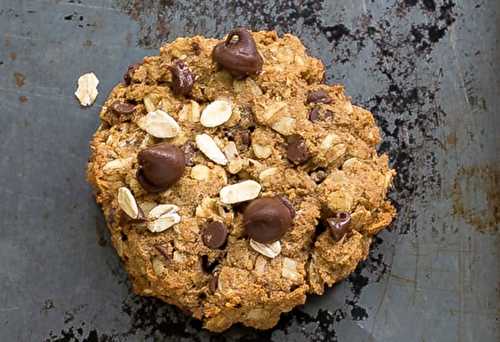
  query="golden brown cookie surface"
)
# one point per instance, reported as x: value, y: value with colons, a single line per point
x: 271, y: 153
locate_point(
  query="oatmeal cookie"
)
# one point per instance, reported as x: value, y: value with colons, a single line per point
x: 234, y: 181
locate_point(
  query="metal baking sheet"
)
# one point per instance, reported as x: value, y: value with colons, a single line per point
x: 428, y: 69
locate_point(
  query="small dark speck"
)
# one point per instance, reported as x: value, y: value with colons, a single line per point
x: 93, y: 337
x: 31, y: 11
x: 336, y: 32
x: 48, y: 305
x: 68, y: 17
x: 430, y: 5
x: 81, y: 18
x: 358, y: 313
x: 1, y: 62
x: 411, y: 2
x: 436, y: 33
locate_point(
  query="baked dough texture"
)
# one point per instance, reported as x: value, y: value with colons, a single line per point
x: 236, y: 283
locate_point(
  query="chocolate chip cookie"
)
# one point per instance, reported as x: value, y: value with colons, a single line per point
x: 234, y: 181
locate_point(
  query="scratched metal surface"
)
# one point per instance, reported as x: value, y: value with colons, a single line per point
x: 428, y: 69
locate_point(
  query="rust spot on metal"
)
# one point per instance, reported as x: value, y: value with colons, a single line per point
x: 13, y: 56
x: 20, y: 79
x: 451, y: 139
x: 23, y: 99
x: 476, y: 197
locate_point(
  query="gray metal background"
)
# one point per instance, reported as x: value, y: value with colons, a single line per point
x: 428, y: 69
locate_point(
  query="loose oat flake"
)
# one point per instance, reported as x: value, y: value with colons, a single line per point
x: 87, y: 89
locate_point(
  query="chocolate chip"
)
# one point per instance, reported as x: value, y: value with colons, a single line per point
x: 240, y: 136
x: 213, y: 283
x: 214, y: 235
x: 189, y: 150
x: 314, y: 114
x: 127, y: 77
x: 296, y: 149
x: 267, y: 219
x: 318, y: 96
x: 339, y: 225
x: 182, y: 78
x: 239, y: 57
x: 196, y: 48
x: 120, y: 107
x: 160, y: 166
x: 288, y: 204
x: 243, y: 138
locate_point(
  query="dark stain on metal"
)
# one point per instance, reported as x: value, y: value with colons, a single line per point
x: 47, y: 306
x: 23, y: 99
x: 101, y: 231
x: 476, y: 197
x: 13, y: 56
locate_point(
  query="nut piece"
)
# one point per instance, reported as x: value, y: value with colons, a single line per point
x: 87, y: 89
x: 207, y: 145
x: 127, y: 202
x: 268, y: 173
x: 240, y: 192
x: 289, y: 269
x: 236, y: 165
x: 163, y: 217
x: 261, y: 151
x: 200, y: 172
x: 270, y: 250
x: 190, y: 112
x: 216, y: 113
x: 149, y: 103
x: 117, y: 164
x: 284, y: 126
x: 159, y: 124
x: 159, y: 266
x: 329, y: 141
x: 231, y: 151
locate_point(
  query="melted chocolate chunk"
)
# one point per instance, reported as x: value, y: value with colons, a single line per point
x: 214, y: 235
x: 160, y: 166
x: 182, y: 78
x: 267, y: 219
x: 240, y: 57
x: 318, y: 96
x: 296, y: 149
